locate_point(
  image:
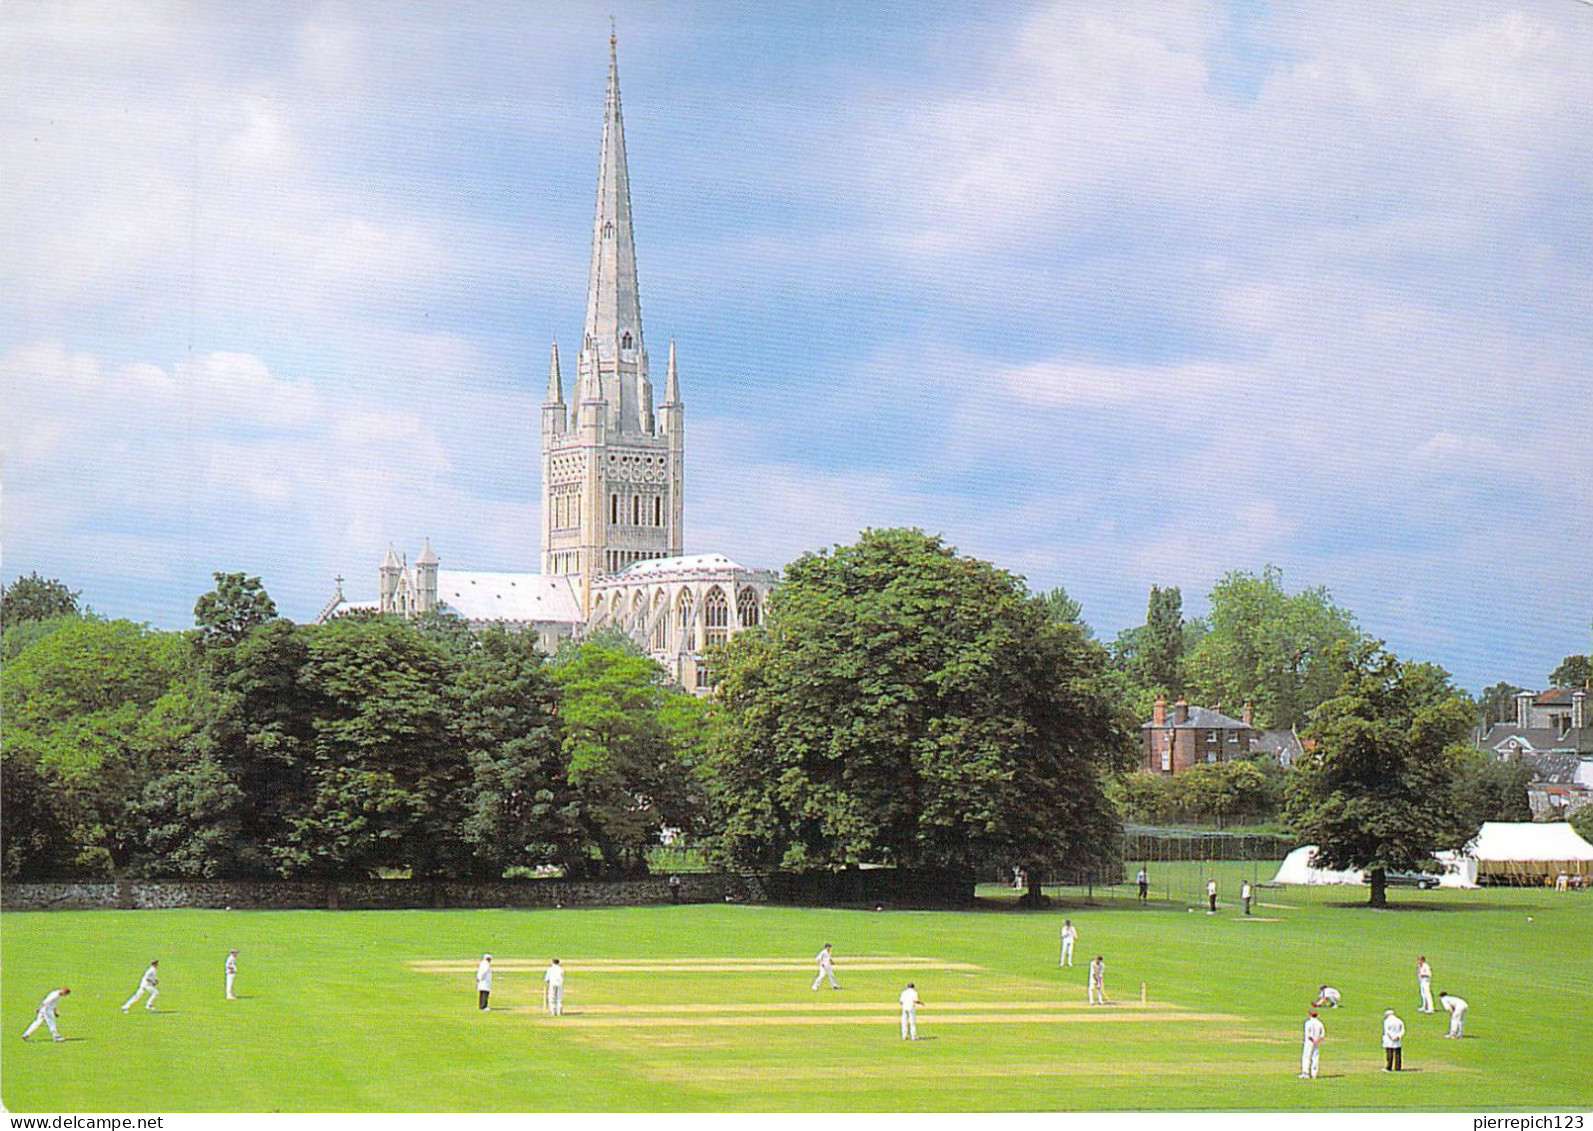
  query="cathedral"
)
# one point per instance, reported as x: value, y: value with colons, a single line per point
x: 613, y: 480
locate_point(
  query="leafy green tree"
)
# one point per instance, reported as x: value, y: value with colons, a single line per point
x: 1491, y: 789
x: 1582, y: 822
x: 1574, y: 671
x: 34, y: 598
x: 1065, y: 610
x: 522, y: 809
x: 1497, y: 704
x: 1268, y: 647
x: 390, y: 780
x: 624, y: 758
x: 1377, y: 792
x: 100, y: 710
x: 34, y: 832
x: 1162, y: 653
x: 1223, y: 792
x: 237, y: 604
x: 909, y: 706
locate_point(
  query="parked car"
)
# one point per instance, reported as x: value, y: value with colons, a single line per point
x: 1423, y: 880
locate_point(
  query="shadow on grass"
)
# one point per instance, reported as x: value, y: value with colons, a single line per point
x: 1514, y: 908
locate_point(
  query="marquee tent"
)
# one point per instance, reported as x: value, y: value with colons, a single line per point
x: 1297, y: 869
x: 1527, y: 851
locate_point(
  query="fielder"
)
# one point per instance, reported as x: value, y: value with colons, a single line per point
x: 826, y: 962
x: 231, y: 969
x: 1311, y: 1051
x: 1098, y: 981
x: 46, y: 1014
x: 1070, y: 935
x: 148, y: 982
x: 483, y: 981
x: 1456, y: 1007
x: 1244, y: 896
x: 910, y: 1003
x: 1211, y: 896
x: 1326, y: 997
x: 553, y: 989
x: 1424, y: 983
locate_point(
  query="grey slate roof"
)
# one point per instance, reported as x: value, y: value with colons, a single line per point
x: 1539, y: 740
x: 1553, y: 769
x: 1200, y: 718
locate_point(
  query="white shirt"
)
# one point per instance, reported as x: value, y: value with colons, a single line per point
x: 149, y: 978
x: 1141, y: 878
x: 1070, y: 933
x: 1330, y: 994
x: 824, y: 959
x: 1097, y: 972
x: 484, y: 975
x: 908, y: 998
x: 1244, y: 892
x: 48, y: 1004
x: 1314, y: 1030
x: 1393, y: 1032
x: 1211, y: 887
x: 232, y: 963
x: 1453, y: 1004
x: 554, y: 976
x: 1424, y: 972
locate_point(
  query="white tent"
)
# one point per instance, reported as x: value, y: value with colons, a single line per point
x: 1530, y: 851
x: 1459, y: 870
x: 1298, y: 869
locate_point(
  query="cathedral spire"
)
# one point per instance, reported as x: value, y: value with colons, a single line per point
x: 613, y: 308
x: 671, y: 382
x: 555, y: 394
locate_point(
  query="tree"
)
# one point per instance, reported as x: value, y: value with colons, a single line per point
x: 1065, y: 610
x: 521, y: 809
x: 1162, y: 652
x: 1268, y: 647
x: 1491, y: 789
x: 623, y: 721
x: 909, y: 706
x: 1574, y: 671
x: 1377, y: 791
x: 390, y: 780
x: 1497, y: 704
x: 34, y: 598
x: 232, y: 608
x: 1582, y: 822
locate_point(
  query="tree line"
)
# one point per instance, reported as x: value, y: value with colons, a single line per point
x: 901, y: 704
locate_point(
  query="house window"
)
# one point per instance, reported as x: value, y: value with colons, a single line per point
x: 1211, y: 736
x: 1211, y: 758
x: 1167, y: 759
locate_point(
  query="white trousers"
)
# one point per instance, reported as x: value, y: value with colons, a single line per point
x: 45, y: 1017
x: 154, y: 992
x: 1098, y: 993
x: 1309, y: 1055
x: 1067, y: 953
x: 555, y: 996
x: 825, y: 972
x: 1425, y: 985
x: 909, y: 1023
x: 1457, y: 1022
x: 230, y: 977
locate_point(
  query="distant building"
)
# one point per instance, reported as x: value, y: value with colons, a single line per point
x: 1191, y: 736
x: 613, y: 484
x: 1552, y: 733
x: 1283, y: 743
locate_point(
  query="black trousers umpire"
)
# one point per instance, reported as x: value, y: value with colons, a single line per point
x: 1393, y: 1061
x: 483, y: 995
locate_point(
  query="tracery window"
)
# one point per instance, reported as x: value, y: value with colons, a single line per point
x: 716, y: 617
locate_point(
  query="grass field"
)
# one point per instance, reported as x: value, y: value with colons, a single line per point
x: 708, y: 1007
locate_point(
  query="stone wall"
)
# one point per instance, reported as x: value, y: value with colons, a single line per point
x: 374, y: 894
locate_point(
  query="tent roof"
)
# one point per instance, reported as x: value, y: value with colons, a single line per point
x: 1526, y: 840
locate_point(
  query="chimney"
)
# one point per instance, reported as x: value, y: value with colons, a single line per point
x: 1579, y: 719
x: 1181, y: 711
x: 1524, y: 709
x: 1159, y: 712
x: 1249, y: 715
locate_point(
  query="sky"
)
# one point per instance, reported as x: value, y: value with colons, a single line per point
x: 1112, y: 295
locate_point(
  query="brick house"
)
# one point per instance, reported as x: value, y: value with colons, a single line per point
x: 1192, y: 736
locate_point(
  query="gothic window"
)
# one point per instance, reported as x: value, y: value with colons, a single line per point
x: 716, y: 617
x: 636, y: 510
x: 625, y: 342
x: 658, y: 510
x: 705, y: 678
x: 685, y: 624
x: 613, y: 509
x: 660, y: 625
x: 747, y: 607
x: 608, y: 230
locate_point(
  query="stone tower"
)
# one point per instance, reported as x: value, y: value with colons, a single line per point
x: 612, y: 467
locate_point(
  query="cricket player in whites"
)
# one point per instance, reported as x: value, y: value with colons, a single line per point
x: 1456, y: 1008
x: 1424, y: 983
x: 553, y: 989
x: 1070, y: 935
x: 1098, y: 981
x: 910, y: 1003
x: 148, y: 982
x: 1311, y: 1051
x: 826, y: 962
x: 46, y: 1014
x: 231, y: 969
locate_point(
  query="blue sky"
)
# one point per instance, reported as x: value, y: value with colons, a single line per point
x: 1112, y: 295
